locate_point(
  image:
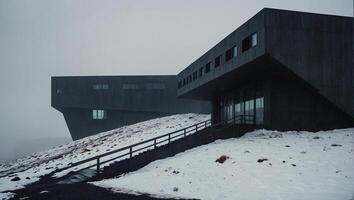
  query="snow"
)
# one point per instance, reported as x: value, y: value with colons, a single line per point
x: 296, y: 165
x: 30, y: 168
x: 6, y: 195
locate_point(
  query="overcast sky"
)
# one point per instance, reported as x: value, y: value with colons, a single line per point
x: 44, y: 38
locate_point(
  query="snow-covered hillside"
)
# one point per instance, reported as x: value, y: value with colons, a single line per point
x: 28, y: 169
x: 261, y: 165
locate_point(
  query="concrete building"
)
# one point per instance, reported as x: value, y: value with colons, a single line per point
x: 94, y: 104
x: 281, y: 70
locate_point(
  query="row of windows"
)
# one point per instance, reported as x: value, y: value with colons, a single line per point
x: 100, y: 86
x: 247, y: 43
x: 99, y: 114
x: 125, y: 86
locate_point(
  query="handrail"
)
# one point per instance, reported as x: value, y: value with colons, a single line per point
x: 181, y: 133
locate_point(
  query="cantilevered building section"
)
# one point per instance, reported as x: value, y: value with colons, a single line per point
x: 95, y: 104
x: 285, y: 70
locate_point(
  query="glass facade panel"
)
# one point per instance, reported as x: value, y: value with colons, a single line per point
x: 246, y: 107
x: 259, y: 110
x: 229, y: 110
x: 254, y: 39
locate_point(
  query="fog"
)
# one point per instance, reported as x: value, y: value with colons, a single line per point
x: 41, y: 38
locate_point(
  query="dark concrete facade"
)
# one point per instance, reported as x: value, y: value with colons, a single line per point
x: 298, y: 71
x: 123, y: 99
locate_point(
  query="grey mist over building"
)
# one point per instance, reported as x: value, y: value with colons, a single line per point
x: 40, y: 39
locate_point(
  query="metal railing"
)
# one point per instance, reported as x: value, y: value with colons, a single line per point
x: 152, y: 143
x: 130, y: 150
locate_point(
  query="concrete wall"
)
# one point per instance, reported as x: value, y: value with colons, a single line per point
x: 81, y: 124
x: 316, y: 47
x: 78, y: 92
x: 75, y: 97
x: 253, y: 25
x: 294, y: 105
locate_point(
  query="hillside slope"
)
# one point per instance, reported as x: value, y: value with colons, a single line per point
x: 260, y: 165
x: 28, y: 169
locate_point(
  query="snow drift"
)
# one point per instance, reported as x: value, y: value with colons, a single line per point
x: 260, y: 165
x: 29, y: 169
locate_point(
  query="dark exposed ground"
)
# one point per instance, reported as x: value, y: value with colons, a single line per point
x: 76, y: 191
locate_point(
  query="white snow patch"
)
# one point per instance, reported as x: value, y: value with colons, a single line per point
x: 30, y: 168
x: 300, y: 165
x: 6, y: 195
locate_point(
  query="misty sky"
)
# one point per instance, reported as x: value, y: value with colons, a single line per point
x: 44, y: 38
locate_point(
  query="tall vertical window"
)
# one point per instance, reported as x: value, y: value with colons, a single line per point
x: 254, y: 39
x: 207, y: 68
x: 98, y: 114
x: 229, y: 109
x: 200, y: 71
x: 217, y: 61
x: 259, y: 110
x: 235, y: 51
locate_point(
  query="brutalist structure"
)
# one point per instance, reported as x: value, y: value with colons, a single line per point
x: 285, y: 70
x: 94, y: 104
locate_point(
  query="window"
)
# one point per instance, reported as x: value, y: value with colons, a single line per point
x: 249, y: 42
x: 229, y: 54
x: 155, y: 86
x: 98, y: 114
x: 59, y: 91
x: 207, y: 67
x: 259, y: 110
x: 217, y: 61
x: 200, y: 71
x: 235, y: 50
x: 254, y: 39
x: 100, y: 87
x: 130, y: 86
x: 195, y: 75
